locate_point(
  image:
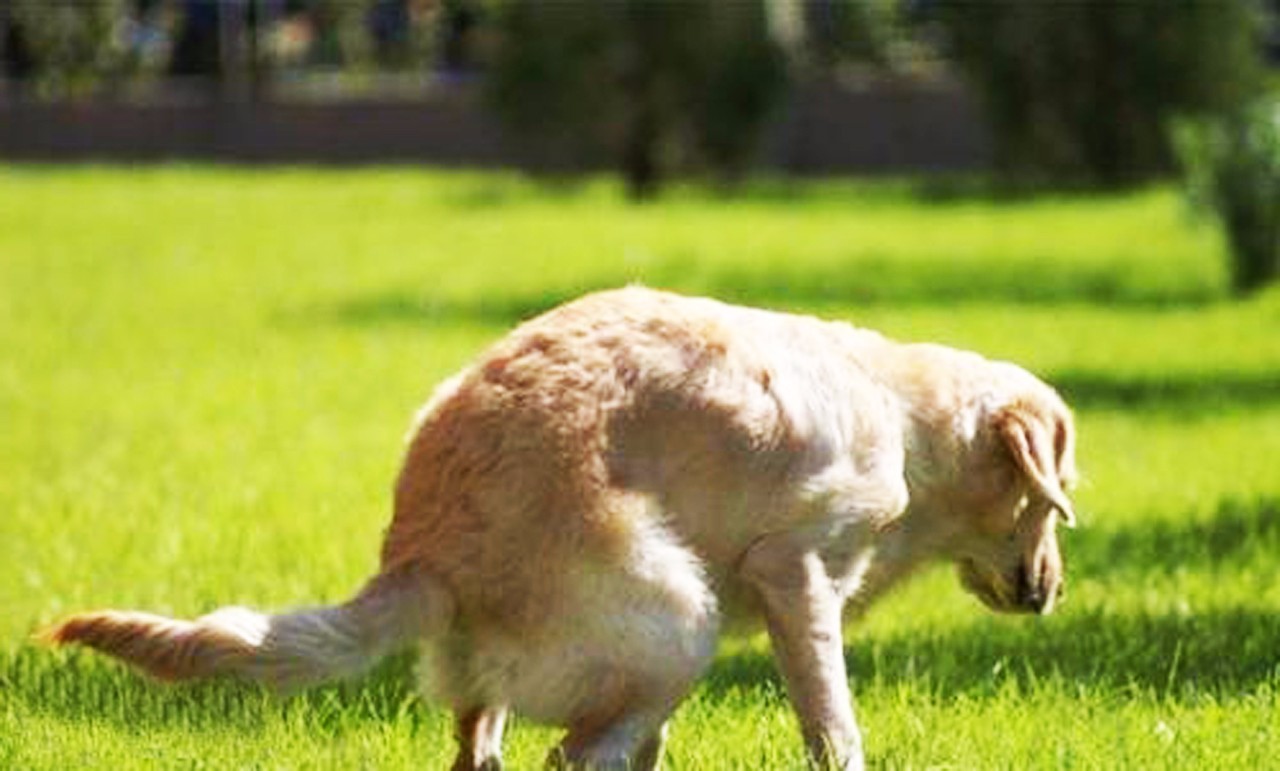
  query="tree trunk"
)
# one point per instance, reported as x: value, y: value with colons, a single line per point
x: 640, y: 155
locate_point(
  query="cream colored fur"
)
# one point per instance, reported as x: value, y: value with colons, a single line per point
x: 583, y: 509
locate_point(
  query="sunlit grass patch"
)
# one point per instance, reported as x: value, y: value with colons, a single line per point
x: 206, y: 375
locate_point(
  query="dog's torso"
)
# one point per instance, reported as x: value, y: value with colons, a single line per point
x: 636, y: 417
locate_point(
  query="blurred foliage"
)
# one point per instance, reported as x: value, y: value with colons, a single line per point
x: 67, y: 46
x: 1076, y: 93
x: 1232, y: 165
x: 867, y: 35
x: 1081, y: 93
x: 657, y: 87
x: 73, y: 47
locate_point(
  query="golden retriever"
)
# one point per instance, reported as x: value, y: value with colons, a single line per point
x: 582, y: 508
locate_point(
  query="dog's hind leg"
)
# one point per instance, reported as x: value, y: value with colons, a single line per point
x: 652, y: 632
x: 479, y: 734
x: 650, y: 753
x: 448, y: 674
x: 629, y: 743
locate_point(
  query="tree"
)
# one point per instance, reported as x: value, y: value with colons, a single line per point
x: 1083, y: 92
x: 654, y: 86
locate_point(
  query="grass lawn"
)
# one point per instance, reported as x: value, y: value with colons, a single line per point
x: 206, y: 374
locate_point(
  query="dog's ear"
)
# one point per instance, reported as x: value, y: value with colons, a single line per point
x: 1035, y: 447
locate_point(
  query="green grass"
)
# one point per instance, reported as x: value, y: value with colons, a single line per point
x: 205, y: 376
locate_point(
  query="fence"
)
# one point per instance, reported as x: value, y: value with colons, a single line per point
x: 379, y: 81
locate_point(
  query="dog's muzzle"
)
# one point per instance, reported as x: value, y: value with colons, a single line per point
x: 1022, y: 592
x: 1038, y: 594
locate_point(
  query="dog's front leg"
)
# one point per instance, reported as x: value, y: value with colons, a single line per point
x: 802, y: 609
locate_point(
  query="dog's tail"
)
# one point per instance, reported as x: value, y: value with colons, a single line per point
x: 286, y: 651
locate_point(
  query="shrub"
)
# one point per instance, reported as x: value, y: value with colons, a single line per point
x: 73, y: 45
x: 1081, y: 93
x: 1232, y: 165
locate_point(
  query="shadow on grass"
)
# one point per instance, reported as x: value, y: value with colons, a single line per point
x: 1172, y: 655
x: 1235, y: 532
x: 495, y: 191
x: 85, y: 687
x: 1221, y: 652
x: 871, y: 280
x: 404, y: 308
x: 868, y: 282
x: 1184, y: 395
x: 869, y: 285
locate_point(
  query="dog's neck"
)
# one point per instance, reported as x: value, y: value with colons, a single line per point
x: 944, y: 421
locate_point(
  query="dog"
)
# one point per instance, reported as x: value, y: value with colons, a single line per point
x: 582, y: 510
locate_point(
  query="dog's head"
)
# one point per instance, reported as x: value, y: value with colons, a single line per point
x: 1019, y: 471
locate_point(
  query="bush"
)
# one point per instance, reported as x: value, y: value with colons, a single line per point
x: 1081, y: 93
x: 73, y: 46
x: 1232, y: 165
x: 655, y: 87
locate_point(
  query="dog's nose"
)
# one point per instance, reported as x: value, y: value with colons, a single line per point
x: 1038, y: 594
